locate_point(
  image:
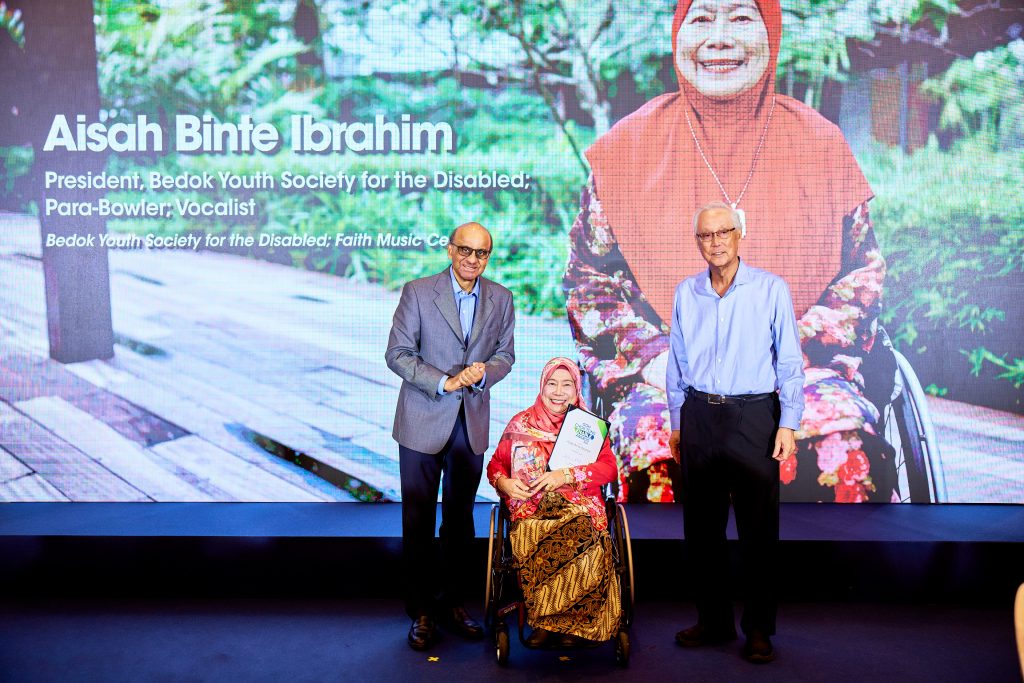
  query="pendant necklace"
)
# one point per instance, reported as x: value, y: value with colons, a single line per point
x: 753, y: 165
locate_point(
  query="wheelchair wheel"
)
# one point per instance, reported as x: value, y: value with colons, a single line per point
x: 502, y: 645
x: 909, y: 428
x: 495, y: 542
x: 622, y: 649
x: 622, y: 549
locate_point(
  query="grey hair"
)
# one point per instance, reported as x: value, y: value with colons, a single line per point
x: 710, y: 206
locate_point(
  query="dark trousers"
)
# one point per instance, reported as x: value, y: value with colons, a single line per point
x: 726, y: 454
x: 421, y: 477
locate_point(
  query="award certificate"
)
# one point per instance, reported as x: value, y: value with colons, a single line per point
x: 579, y: 440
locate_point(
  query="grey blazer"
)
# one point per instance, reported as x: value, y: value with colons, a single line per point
x: 426, y: 343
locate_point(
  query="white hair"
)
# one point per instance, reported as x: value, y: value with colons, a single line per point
x: 737, y: 222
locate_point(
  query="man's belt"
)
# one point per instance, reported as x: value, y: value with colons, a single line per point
x: 719, y: 399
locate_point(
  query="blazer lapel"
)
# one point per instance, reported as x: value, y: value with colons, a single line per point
x: 483, y: 309
x: 445, y: 302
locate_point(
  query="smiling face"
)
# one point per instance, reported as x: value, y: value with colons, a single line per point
x: 719, y: 251
x: 722, y: 47
x: 559, y: 392
x: 469, y: 268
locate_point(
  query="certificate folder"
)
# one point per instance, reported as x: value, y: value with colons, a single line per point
x: 580, y: 439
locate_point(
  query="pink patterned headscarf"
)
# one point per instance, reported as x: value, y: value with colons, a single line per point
x: 538, y: 422
x: 532, y: 433
x: 535, y: 429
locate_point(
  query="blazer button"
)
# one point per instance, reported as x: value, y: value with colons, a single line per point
x: 458, y: 397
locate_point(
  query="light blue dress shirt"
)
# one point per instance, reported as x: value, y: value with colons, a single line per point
x: 465, y: 304
x: 744, y: 342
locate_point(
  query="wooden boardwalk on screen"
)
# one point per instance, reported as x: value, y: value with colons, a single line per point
x: 240, y: 380
x: 216, y: 355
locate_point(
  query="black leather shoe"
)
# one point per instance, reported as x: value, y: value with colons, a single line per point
x: 699, y: 635
x: 541, y: 637
x: 758, y: 648
x: 457, y: 619
x: 422, y: 633
x: 569, y: 641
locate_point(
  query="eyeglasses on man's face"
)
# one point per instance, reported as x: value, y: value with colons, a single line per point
x: 466, y: 252
x: 708, y: 237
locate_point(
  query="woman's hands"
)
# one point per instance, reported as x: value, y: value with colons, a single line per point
x: 549, y: 481
x: 514, y: 488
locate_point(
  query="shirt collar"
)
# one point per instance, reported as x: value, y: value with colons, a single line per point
x: 457, y: 289
x: 743, y: 276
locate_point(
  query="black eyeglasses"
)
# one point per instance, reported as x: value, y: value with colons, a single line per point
x: 706, y: 237
x: 482, y: 254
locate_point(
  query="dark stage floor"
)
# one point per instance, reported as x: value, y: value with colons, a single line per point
x: 364, y: 640
x: 308, y: 593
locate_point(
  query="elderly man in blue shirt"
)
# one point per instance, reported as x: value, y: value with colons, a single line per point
x: 735, y: 397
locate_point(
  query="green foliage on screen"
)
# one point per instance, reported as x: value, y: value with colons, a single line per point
x: 232, y: 58
x: 953, y: 245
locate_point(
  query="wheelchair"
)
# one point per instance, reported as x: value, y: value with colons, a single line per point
x: 503, y: 595
x: 907, y: 425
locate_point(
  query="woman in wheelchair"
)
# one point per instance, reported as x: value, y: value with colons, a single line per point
x: 559, y: 530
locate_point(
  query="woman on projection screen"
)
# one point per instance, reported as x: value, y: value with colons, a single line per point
x: 726, y: 134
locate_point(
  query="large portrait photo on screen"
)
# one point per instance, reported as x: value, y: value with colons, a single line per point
x: 208, y: 210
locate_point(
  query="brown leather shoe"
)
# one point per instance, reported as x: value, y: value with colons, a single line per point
x: 457, y: 620
x: 699, y: 635
x: 758, y: 648
x: 422, y: 633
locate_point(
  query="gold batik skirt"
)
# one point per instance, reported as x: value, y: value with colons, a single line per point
x: 567, y: 571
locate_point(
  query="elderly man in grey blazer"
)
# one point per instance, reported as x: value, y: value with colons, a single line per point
x: 451, y: 341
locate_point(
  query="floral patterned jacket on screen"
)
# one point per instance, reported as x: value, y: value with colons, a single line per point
x: 619, y: 335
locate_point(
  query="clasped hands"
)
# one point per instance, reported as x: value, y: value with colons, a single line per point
x: 470, y: 375
x: 513, y: 487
